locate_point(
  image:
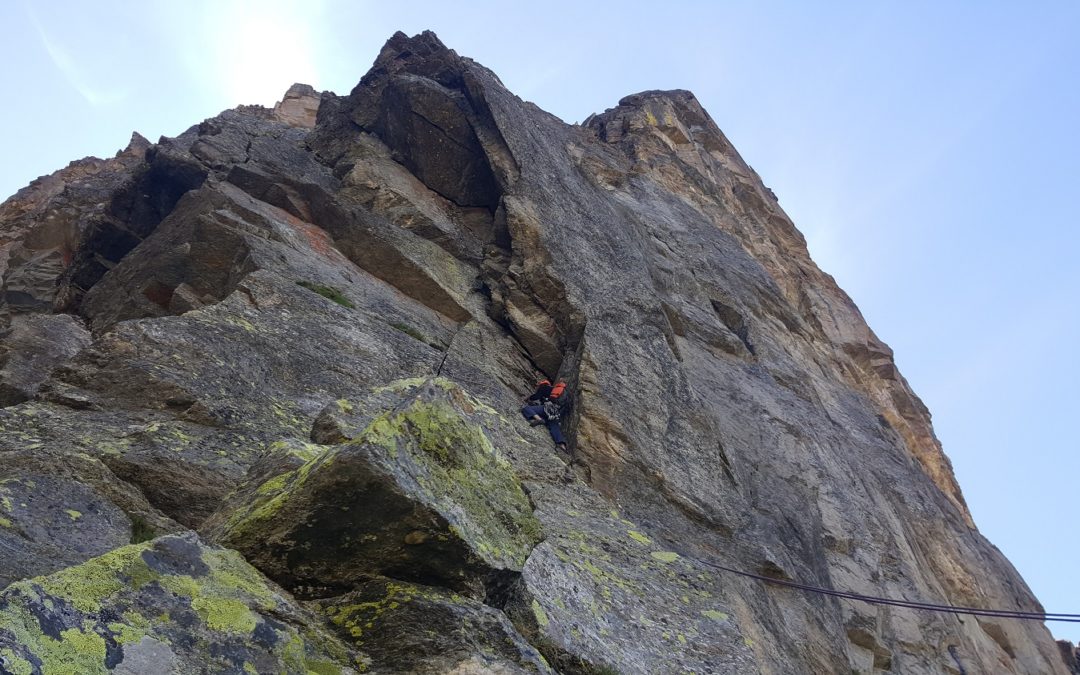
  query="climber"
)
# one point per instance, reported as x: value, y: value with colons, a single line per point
x: 543, y: 407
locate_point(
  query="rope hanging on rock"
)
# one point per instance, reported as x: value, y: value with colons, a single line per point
x: 910, y: 604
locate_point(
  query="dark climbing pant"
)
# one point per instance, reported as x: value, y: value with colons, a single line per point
x: 531, y: 411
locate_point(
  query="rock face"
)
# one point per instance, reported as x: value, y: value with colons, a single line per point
x: 306, y: 336
x: 299, y: 106
x: 1069, y: 654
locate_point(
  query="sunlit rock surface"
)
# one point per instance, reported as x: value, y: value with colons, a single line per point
x: 305, y: 333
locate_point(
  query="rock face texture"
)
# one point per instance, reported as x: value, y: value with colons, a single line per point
x: 172, y: 605
x: 299, y: 106
x: 261, y: 386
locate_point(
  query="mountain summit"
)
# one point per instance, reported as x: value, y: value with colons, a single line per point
x: 262, y: 382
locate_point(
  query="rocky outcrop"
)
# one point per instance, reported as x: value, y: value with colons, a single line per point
x: 33, y: 346
x: 1069, y: 653
x: 171, y: 605
x: 305, y: 333
x: 299, y: 107
x: 59, y: 509
x: 45, y: 223
x: 420, y: 494
x: 460, y: 635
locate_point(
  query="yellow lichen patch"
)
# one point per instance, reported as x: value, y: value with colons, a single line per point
x: 639, y: 537
x: 715, y: 615
x: 302, y: 450
x: 86, y: 585
x: 223, y: 599
x: 540, y: 614
x: 382, y: 432
x: 665, y: 556
x: 77, y: 652
x: 273, y: 495
x: 241, y: 322
x: 4, y: 522
x: 355, y: 618
x: 73, y: 514
x: 126, y: 634
x: 454, y: 460
x: 401, y: 385
x: 232, y: 575
x: 16, y: 664
x: 275, y: 484
x: 322, y: 667
x: 225, y: 614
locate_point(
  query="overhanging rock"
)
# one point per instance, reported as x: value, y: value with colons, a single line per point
x: 419, y: 494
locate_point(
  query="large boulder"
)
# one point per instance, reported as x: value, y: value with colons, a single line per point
x: 421, y: 494
x: 172, y: 605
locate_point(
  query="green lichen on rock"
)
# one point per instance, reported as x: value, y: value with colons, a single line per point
x: 423, y: 629
x: 419, y: 487
x: 77, y: 651
x: 269, y: 497
x: 225, y: 614
x: 86, y: 586
x: 541, y: 616
x: 130, y: 632
x: 401, y: 385
x: 15, y: 664
x: 191, y: 600
x: 457, y: 464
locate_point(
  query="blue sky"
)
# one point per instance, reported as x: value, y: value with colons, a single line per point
x: 929, y: 151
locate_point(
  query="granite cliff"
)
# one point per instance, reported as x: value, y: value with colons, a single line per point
x: 261, y: 386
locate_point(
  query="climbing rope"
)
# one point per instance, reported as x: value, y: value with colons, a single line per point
x: 910, y: 604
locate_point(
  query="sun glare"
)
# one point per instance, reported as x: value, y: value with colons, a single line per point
x: 263, y: 48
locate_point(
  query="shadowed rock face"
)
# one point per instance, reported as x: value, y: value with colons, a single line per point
x: 307, y: 335
x: 459, y: 636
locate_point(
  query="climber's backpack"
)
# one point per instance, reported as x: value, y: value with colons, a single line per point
x: 558, y: 402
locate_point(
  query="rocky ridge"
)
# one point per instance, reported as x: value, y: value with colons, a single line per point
x: 260, y: 386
